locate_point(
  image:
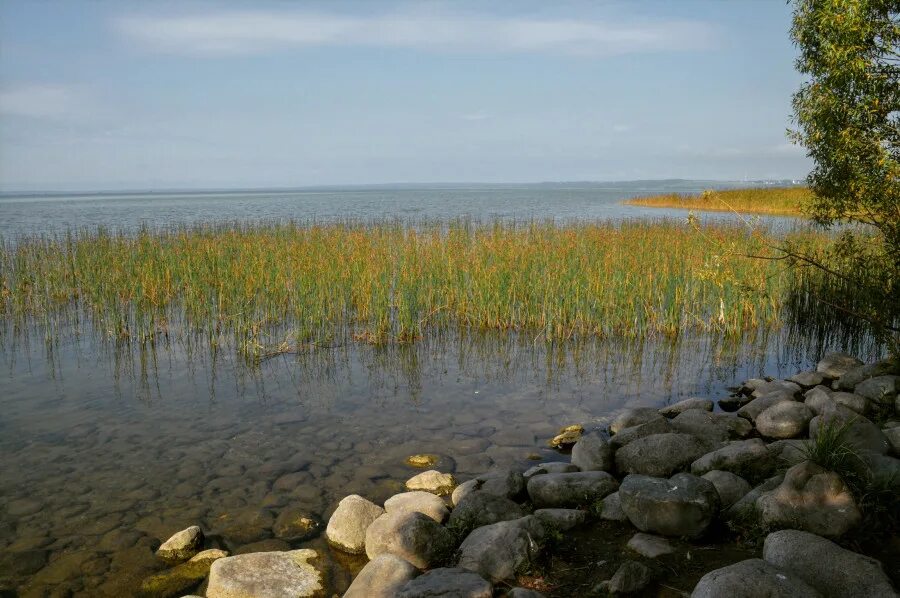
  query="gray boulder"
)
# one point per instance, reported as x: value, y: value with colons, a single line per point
x: 570, y: 489
x: 893, y: 436
x: 860, y: 433
x: 508, y: 483
x: 497, y: 551
x: 523, y: 593
x: 480, y: 508
x: 685, y: 405
x: 627, y: 435
x: 422, y: 502
x: 289, y: 573
x: 182, y: 545
x: 749, y: 459
x: 630, y: 577
x: 784, y: 420
x: 296, y: 524
x: 650, y: 546
x: 611, y: 508
x: 835, y: 365
x: 552, y: 467
x: 633, y: 417
x: 807, y: 379
x: 560, y: 519
x: 347, y: 526
x: 382, y: 577
x: 659, y: 455
x: 818, y: 399
x: 412, y: 536
x: 752, y: 409
x: 683, y: 505
x: 752, y: 578
x: 861, y: 373
x: 881, y: 390
x: 776, y: 386
x: 811, y: 499
x: 447, y: 582
x: 746, y: 506
x: 713, y: 427
x: 731, y: 487
x: 825, y: 566
x: 592, y: 453
x: 789, y: 452
x: 852, y: 401
x: 432, y: 481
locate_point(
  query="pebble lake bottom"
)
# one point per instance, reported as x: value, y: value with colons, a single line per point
x: 106, y: 451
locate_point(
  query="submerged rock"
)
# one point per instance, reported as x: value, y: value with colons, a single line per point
x: 447, y: 582
x: 432, y: 481
x: 296, y: 525
x: 575, y: 489
x: 182, y: 545
x: 412, y: 536
x: 498, y: 551
x: 683, y: 505
x: 750, y: 579
x: 825, y: 566
x: 659, y: 455
x: 346, y: 529
x: 290, y: 573
x: 811, y: 499
x: 382, y: 577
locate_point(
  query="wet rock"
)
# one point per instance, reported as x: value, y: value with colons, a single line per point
x: 432, y: 481
x: 711, y: 426
x: 835, y: 365
x: 628, y: 435
x: 810, y: 499
x: 592, y: 453
x: 567, y: 436
x: 750, y: 579
x: 807, y: 379
x: 270, y: 545
x: 683, y: 505
x: 861, y: 373
x: 412, y: 536
x: 474, y: 463
x: 825, y: 566
x: 749, y: 459
x: 470, y: 446
x: 881, y: 390
x: 685, y: 405
x: 22, y: 563
x: 426, y: 503
x: 295, y: 524
x: 447, y: 582
x: 570, y: 489
x: 497, y: 551
x: 629, y: 578
x: 479, y: 508
x: 180, y: 579
x: 382, y: 577
x: 553, y: 467
x: 291, y: 573
x: 347, y: 526
x: 633, y: 417
x: 650, y: 546
x: 659, y: 455
x: 784, y: 420
x: 731, y: 487
x: 776, y: 386
x: 182, y: 545
x: 754, y: 408
x: 611, y: 508
x: 560, y: 519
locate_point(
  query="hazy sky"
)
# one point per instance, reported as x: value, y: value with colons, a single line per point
x: 107, y: 95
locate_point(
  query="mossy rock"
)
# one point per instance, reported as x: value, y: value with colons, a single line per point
x: 567, y: 436
x: 176, y: 581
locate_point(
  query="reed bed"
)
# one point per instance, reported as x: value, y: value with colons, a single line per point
x: 769, y: 200
x: 281, y: 287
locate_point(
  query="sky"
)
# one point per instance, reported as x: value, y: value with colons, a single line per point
x: 164, y: 95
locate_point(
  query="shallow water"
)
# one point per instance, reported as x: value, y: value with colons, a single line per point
x: 106, y: 451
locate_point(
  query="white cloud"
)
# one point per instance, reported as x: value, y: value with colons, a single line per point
x: 40, y: 101
x: 253, y: 32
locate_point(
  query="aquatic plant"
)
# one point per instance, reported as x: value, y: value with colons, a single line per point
x: 767, y: 200
x: 282, y: 287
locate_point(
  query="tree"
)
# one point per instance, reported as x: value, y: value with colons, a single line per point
x: 847, y: 114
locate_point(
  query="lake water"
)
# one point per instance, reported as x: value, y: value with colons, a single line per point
x: 106, y: 450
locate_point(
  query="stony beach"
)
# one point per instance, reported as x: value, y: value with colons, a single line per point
x: 749, y: 472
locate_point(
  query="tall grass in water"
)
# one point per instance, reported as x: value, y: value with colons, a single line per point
x: 279, y: 287
x: 770, y: 200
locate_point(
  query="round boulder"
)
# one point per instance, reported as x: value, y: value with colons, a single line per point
x: 683, y: 505
x: 346, y: 529
x: 787, y: 419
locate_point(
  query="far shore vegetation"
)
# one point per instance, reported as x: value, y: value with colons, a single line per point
x: 773, y: 201
x: 278, y: 287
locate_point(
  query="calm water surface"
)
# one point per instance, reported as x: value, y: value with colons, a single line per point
x: 105, y: 450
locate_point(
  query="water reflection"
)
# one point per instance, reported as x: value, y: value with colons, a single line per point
x: 107, y: 449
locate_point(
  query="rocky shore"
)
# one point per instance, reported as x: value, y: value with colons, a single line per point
x: 796, y: 467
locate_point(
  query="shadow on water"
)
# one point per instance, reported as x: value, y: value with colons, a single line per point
x: 106, y: 449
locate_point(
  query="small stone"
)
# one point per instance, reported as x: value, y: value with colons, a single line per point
x: 347, y: 526
x: 835, y: 365
x: 266, y: 574
x: 382, y: 577
x: 784, y: 420
x: 432, y: 481
x: 731, y: 487
x: 682, y: 406
x: 412, y: 536
x: 750, y: 579
x: 629, y: 578
x: 633, y: 417
x: 423, y: 502
x: 683, y: 505
x: 567, y: 436
x: 825, y: 566
x: 650, y: 546
x: 566, y: 490
x: 592, y: 453
x: 182, y: 545
x: 447, y: 582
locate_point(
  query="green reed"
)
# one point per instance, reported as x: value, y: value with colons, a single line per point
x: 767, y: 200
x: 281, y: 287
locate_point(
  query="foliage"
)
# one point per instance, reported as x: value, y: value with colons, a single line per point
x: 767, y: 200
x: 832, y: 449
x: 848, y: 118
